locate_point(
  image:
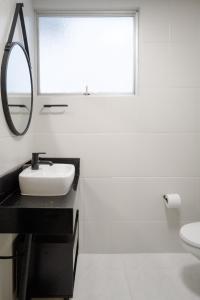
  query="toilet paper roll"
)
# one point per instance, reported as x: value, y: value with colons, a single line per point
x: 172, y: 200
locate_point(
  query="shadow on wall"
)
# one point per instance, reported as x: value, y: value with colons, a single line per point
x: 173, y: 217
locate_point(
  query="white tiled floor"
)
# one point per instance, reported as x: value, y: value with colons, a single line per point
x: 137, y: 277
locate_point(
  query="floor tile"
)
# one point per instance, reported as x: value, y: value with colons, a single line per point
x: 159, y: 276
x: 101, y: 277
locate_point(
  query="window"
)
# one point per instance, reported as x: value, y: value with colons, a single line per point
x: 87, y: 53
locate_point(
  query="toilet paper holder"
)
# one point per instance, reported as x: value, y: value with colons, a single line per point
x: 172, y: 200
x: 165, y: 198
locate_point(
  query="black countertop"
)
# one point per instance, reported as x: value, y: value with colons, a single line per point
x: 16, y: 200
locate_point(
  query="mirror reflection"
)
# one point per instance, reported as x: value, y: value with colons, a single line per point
x: 19, y: 87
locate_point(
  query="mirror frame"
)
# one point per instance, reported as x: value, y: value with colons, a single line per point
x: 4, y: 94
x: 7, y: 51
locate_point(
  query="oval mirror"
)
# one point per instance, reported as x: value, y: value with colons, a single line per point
x: 17, y: 88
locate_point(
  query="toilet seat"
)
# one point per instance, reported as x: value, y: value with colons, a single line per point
x: 190, y: 233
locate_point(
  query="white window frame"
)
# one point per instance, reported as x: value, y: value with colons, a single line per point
x: 47, y: 13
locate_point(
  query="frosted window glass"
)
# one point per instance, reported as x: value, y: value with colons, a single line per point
x: 75, y: 52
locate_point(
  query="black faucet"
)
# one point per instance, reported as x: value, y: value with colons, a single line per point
x: 35, y: 162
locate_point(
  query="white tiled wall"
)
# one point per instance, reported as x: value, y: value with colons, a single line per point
x: 13, y: 150
x: 135, y: 149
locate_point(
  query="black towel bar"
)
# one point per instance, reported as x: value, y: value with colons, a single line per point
x: 55, y: 105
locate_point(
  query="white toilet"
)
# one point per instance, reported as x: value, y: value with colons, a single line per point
x: 190, y: 237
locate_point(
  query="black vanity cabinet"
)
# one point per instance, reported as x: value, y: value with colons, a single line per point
x: 46, y: 248
x: 52, y: 265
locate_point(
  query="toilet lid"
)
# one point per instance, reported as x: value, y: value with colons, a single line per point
x: 190, y: 233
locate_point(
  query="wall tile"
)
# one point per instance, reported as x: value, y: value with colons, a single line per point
x: 154, y: 110
x: 167, y: 110
x: 4, y: 131
x: 184, y: 20
x: 126, y: 154
x: 154, y: 65
x: 10, y: 159
x: 92, y: 150
x: 155, y: 155
x: 184, y: 65
x: 139, y: 199
x: 84, y: 115
x: 87, y: 4
x: 14, y: 150
x: 97, y: 237
x: 155, y: 21
x: 145, y: 237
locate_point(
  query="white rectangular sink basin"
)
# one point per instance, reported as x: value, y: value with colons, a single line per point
x: 55, y: 180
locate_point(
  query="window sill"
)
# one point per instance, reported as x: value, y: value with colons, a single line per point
x: 86, y: 96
